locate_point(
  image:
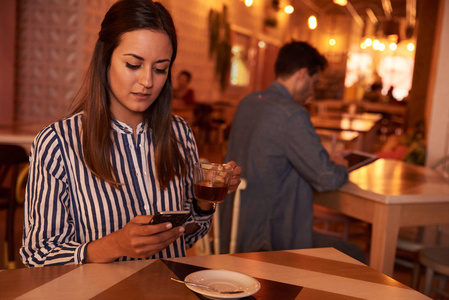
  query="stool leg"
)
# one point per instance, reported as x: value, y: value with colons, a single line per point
x: 442, y: 284
x: 10, y: 232
x: 415, y: 275
x: 428, y: 281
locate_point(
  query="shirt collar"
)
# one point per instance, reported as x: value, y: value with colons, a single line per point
x: 279, y: 88
x: 126, y: 128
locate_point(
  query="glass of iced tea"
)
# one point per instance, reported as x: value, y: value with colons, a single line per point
x: 211, y: 182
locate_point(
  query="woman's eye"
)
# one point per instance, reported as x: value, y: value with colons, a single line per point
x: 160, y: 71
x: 132, y: 67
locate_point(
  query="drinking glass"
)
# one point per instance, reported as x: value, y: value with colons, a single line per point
x: 211, y: 182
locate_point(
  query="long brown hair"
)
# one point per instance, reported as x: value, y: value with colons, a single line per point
x: 125, y: 16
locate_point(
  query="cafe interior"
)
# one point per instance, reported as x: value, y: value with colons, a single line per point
x: 384, y: 92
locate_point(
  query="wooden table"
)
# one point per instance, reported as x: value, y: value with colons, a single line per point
x: 19, y: 134
x: 390, y: 194
x: 322, y: 273
x: 338, y: 105
x: 337, y: 140
x: 367, y: 129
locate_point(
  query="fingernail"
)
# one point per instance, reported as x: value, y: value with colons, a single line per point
x: 181, y: 229
x: 169, y: 226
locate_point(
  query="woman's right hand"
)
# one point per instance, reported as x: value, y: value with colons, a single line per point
x: 136, y: 239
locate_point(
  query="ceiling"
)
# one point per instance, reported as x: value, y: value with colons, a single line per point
x: 398, y: 10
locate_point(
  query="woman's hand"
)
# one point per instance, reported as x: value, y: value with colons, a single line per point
x: 235, y: 180
x: 136, y: 239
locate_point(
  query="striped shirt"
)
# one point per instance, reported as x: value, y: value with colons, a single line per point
x: 67, y: 206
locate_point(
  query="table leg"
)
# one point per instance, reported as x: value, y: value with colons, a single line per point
x: 384, y: 237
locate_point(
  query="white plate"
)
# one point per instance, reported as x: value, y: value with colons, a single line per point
x: 223, y: 280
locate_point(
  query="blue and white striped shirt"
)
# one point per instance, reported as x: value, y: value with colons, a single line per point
x: 66, y: 206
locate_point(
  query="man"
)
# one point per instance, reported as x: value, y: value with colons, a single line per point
x: 283, y: 160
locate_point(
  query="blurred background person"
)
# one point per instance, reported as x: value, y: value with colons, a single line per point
x: 283, y: 161
x: 183, y: 91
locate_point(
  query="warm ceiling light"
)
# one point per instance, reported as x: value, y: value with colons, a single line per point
x: 248, y: 3
x: 289, y: 9
x: 341, y: 2
x: 393, y: 46
x: 313, y: 23
x: 368, y: 42
x: 332, y: 42
x: 410, y: 47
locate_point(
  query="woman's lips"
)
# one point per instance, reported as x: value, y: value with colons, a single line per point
x: 142, y: 96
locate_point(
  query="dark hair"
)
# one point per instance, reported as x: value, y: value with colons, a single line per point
x: 125, y: 16
x: 187, y: 74
x: 297, y: 55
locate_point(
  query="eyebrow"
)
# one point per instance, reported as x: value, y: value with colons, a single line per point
x: 142, y: 59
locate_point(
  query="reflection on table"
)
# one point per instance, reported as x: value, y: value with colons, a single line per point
x: 322, y: 273
x: 365, y: 125
x: 390, y: 194
x: 333, y: 140
x: 318, y: 107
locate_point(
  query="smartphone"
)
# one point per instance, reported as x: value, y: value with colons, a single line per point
x: 177, y: 218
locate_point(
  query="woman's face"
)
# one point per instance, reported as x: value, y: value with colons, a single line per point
x: 138, y: 71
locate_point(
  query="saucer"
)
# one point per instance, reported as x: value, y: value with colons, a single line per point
x: 223, y: 280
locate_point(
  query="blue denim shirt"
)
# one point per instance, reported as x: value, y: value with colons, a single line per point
x: 283, y: 161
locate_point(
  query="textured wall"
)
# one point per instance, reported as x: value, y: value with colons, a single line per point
x: 48, y: 58
x: 55, y: 41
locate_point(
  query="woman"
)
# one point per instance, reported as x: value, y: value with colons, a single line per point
x: 183, y: 91
x: 97, y: 177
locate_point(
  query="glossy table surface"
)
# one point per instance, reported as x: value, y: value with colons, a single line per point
x: 322, y: 273
x: 389, y: 194
x: 392, y: 181
x: 343, y: 123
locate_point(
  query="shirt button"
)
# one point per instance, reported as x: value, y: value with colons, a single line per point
x: 144, y: 172
x: 147, y: 207
x: 137, y: 173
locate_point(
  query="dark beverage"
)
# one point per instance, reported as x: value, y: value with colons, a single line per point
x: 212, y: 192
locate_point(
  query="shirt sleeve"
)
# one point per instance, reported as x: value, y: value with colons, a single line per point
x: 308, y: 156
x: 48, y: 237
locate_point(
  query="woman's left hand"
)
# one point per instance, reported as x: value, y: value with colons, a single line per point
x: 235, y: 180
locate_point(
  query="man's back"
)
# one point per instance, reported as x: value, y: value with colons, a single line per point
x: 282, y: 158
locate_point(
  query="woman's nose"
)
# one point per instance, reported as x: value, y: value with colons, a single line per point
x: 146, y: 78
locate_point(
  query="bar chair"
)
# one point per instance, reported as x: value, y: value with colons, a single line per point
x: 11, y: 159
x: 234, y: 221
x: 204, y: 244
x: 436, y: 261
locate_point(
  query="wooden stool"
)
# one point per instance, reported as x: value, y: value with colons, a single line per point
x: 11, y: 159
x: 436, y: 260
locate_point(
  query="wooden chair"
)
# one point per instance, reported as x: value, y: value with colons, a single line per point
x: 329, y: 222
x: 204, y: 244
x: 436, y: 261
x: 11, y: 159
